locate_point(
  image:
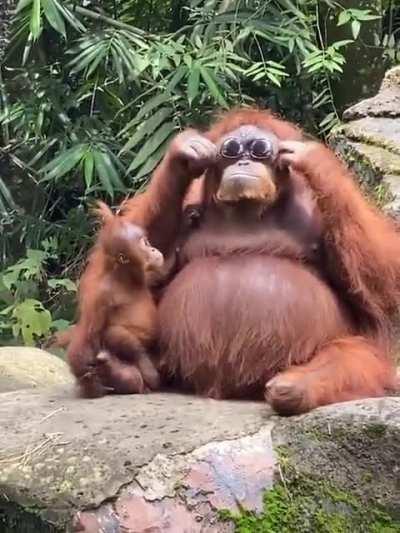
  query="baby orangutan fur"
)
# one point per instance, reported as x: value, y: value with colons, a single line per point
x: 109, y: 347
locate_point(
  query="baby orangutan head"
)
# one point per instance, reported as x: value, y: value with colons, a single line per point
x: 245, y: 167
x: 125, y: 242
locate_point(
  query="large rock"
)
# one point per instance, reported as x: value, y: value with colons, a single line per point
x: 385, y: 104
x: 22, y: 368
x: 173, y: 463
x: 370, y: 142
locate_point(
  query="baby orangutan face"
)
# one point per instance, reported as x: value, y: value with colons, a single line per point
x: 132, y: 246
x: 246, y: 166
x: 128, y: 245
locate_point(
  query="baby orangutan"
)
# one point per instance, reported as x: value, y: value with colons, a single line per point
x: 108, y: 349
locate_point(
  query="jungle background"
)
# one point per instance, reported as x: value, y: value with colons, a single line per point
x: 91, y: 93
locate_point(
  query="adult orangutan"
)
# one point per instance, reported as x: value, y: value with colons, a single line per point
x: 286, y: 283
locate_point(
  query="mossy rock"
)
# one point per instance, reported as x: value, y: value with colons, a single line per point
x: 369, y: 142
x: 168, y: 462
x: 338, y: 473
x: 385, y: 104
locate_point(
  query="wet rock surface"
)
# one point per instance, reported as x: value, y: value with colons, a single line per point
x: 173, y: 463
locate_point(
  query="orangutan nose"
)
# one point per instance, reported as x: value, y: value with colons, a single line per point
x: 243, y: 163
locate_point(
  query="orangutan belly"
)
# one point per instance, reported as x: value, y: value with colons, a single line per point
x: 228, y: 325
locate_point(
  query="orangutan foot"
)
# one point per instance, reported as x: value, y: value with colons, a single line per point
x: 287, y: 393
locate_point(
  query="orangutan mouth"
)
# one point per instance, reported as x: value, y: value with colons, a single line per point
x: 244, y: 187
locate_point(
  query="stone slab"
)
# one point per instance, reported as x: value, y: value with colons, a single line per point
x: 170, y: 463
x: 63, y: 454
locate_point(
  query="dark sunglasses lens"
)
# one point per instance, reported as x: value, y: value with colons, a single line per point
x: 231, y: 148
x: 261, y: 149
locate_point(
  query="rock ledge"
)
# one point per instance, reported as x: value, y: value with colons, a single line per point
x: 174, y: 463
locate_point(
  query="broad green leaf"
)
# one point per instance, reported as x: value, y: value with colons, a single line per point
x: 6, y: 194
x: 179, y: 74
x: 117, y: 65
x: 313, y: 60
x: 22, y: 4
x: 197, y: 41
x: 60, y: 324
x: 82, y: 63
x: 259, y: 75
x: 53, y: 17
x: 151, y: 104
x: 6, y: 296
x: 125, y: 55
x: 147, y: 128
x: 69, y: 17
x: 213, y: 87
x: 332, y: 66
x: 339, y: 44
x: 10, y: 278
x: 35, y: 257
x: 355, y: 28
x: 273, y: 78
x: 328, y: 120
x: 64, y: 162
x: 151, y: 145
x: 30, y: 267
x: 64, y: 283
x: 36, y: 20
x: 367, y: 16
x: 88, y: 168
x: 110, y: 169
x: 32, y: 320
x: 101, y: 54
x: 316, y: 67
x: 193, y: 83
x: 344, y: 17
x: 89, y: 46
x: 153, y: 160
x: 187, y: 59
x: 135, y: 38
x: 102, y: 173
x: 279, y: 66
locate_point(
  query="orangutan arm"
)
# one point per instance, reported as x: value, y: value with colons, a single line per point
x: 159, y: 209
x: 363, y: 248
x: 93, y: 305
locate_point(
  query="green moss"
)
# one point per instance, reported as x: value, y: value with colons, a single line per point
x: 375, y: 430
x: 364, y: 164
x: 303, y: 505
x: 380, y: 194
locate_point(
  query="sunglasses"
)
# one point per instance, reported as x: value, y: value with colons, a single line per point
x: 258, y: 148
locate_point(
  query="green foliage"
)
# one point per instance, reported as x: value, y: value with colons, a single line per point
x: 23, y: 316
x: 92, y: 92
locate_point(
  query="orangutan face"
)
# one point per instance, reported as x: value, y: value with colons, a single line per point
x: 246, y: 166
